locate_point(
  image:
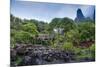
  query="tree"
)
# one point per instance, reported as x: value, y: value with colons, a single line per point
x: 73, y: 36
x: 22, y: 37
x: 54, y: 23
x: 30, y: 28
x: 87, y: 31
x: 65, y: 23
x: 15, y: 22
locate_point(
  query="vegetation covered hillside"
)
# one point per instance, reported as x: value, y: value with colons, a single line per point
x: 64, y: 40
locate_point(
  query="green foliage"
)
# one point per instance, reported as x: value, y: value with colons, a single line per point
x: 54, y: 23
x: 22, y: 37
x: 92, y: 50
x: 43, y: 27
x: 73, y: 36
x: 26, y: 32
x: 73, y: 32
x: 30, y: 27
x: 87, y: 53
x: 87, y: 31
x: 65, y: 23
x: 68, y: 46
x: 12, y: 42
x: 22, y: 31
x: 15, y: 22
x: 18, y: 61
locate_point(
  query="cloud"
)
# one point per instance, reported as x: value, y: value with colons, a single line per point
x: 47, y: 11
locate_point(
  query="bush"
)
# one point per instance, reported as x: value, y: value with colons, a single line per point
x: 86, y: 54
x: 22, y: 37
x: 12, y: 42
x: 92, y: 49
x: 87, y: 31
x: 30, y: 28
x: 73, y: 36
x: 68, y: 46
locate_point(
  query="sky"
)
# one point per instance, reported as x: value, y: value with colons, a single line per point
x: 47, y: 11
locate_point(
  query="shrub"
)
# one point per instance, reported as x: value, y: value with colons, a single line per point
x: 30, y: 28
x: 73, y: 36
x: 22, y: 37
x: 86, y: 54
x: 68, y: 46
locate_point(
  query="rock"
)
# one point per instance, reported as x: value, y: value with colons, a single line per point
x: 94, y: 15
x: 25, y: 61
x: 79, y: 17
x: 13, y: 54
x: 20, y: 50
x: 31, y: 55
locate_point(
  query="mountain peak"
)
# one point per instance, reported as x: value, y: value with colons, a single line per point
x: 79, y: 16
